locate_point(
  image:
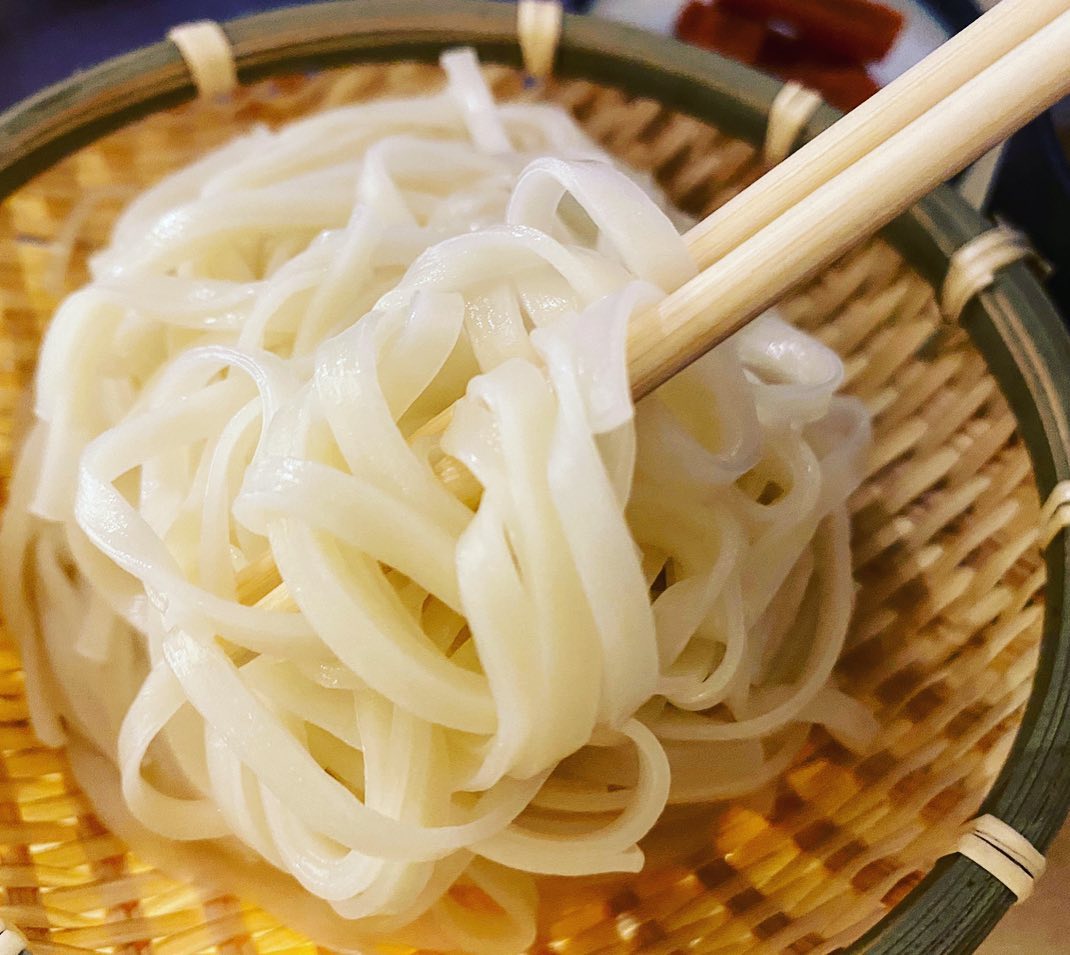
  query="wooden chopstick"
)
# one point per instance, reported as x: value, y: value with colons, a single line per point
x: 839, y: 210
x: 850, y: 206
x: 865, y: 128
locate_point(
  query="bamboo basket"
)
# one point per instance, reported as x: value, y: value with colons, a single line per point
x: 959, y: 643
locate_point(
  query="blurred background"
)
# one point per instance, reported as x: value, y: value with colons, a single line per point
x: 846, y: 49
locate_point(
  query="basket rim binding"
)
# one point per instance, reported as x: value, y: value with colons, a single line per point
x: 1013, y: 323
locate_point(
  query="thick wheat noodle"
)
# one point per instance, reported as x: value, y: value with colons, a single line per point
x: 644, y: 606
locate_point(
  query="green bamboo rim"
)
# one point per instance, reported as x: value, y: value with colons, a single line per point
x: 1013, y: 324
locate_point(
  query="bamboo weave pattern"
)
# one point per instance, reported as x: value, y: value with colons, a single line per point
x: 943, y: 643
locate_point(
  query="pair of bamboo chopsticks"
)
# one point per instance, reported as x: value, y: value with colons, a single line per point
x: 933, y: 121
x: 962, y: 57
x: 977, y: 89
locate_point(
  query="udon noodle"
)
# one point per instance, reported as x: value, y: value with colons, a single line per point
x: 442, y: 699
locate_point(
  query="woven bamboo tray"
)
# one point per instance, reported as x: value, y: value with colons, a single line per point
x: 960, y: 640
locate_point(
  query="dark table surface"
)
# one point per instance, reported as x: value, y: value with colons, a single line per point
x: 43, y: 41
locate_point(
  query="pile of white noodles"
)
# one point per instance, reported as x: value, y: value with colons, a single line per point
x: 645, y: 605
